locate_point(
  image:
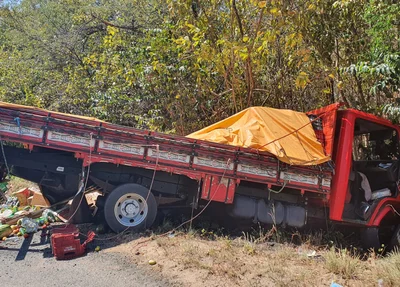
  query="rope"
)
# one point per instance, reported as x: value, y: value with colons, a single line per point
x: 88, y: 172
x: 153, y: 178
x: 147, y: 197
x: 192, y: 218
x: 179, y: 226
x: 83, y: 189
x: 279, y: 191
x: 394, y: 209
x: 154, y: 173
x: 296, y: 130
x: 108, y: 238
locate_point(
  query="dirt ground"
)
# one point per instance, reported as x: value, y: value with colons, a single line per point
x: 200, y: 257
x: 29, y: 262
x: 195, y: 260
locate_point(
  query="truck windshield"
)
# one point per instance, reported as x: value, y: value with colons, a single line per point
x: 374, y: 142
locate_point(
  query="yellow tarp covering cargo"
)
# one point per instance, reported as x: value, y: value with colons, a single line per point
x: 270, y: 130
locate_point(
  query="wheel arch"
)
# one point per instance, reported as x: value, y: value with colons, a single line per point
x: 385, y: 212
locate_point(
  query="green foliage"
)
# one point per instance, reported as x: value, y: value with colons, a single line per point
x: 179, y: 65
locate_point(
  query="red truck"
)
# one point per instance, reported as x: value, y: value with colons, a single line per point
x: 141, y: 172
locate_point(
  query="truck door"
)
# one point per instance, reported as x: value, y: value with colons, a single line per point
x: 374, y: 170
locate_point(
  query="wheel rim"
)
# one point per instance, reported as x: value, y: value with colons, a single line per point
x: 131, y: 209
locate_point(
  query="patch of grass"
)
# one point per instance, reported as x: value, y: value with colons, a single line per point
x: 165, y: 226
x: 388, y: 268
x: 285, y: 252
x: 320, y: 238
x: 268, y: 257
x: 343, y: 263
x: 200, y: 257
x: 226, y: 241
x: 162, y: 241
x: 249, y: 248
x: 249, y: 243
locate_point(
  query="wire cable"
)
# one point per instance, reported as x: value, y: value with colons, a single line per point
x: 147, y: 197
x: 179, y: 226
x: 394, y: 209
x: 192, y: 218
x: 82, y: 191
x: 154, y: 172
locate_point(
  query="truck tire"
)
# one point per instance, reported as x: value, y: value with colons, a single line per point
x: 395, y: 242
x: 370, y: 238
x: 126, y: 208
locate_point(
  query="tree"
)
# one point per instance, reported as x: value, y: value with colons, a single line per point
x: 179, y: 65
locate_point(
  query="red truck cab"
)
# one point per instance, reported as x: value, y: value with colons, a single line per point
x: 366, y: 156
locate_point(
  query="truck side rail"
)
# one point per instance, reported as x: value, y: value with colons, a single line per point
x: 213, y: 164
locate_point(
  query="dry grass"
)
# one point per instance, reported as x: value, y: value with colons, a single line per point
x: 388, y: 268
x: 202, y: 258
x: 343, y: 263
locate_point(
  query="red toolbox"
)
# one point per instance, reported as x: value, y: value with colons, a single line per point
x: 66, y: 244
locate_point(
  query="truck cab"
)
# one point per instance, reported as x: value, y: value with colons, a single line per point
x: 365, y: 185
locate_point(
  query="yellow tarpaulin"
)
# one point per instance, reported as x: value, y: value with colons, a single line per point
x: 270, y: 130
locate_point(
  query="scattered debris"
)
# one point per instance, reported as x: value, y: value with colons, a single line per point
x: 19, y: 206
x: 30, y: 225
x: 49, y: 215
x: 312, y: 254
x: 5, y: 231
x: 22, y: 195
x: 3, y: 190
x: 8, y: 239
x: 38, y: 199
x: 66, y: 244
x: 6, y: 213
x: 100, y: 229
x: 19, y: 217
x: 28, y: 210
x: 92, y: 196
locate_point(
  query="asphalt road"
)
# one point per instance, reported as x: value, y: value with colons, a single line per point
x: 29, y: 262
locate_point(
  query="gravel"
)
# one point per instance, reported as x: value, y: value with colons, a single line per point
x: 29, y: 262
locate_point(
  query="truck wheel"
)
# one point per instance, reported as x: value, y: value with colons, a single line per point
x: 127, y: 208
x: 395, y: 242
x: 370, y: 238
x: 380, y: 237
